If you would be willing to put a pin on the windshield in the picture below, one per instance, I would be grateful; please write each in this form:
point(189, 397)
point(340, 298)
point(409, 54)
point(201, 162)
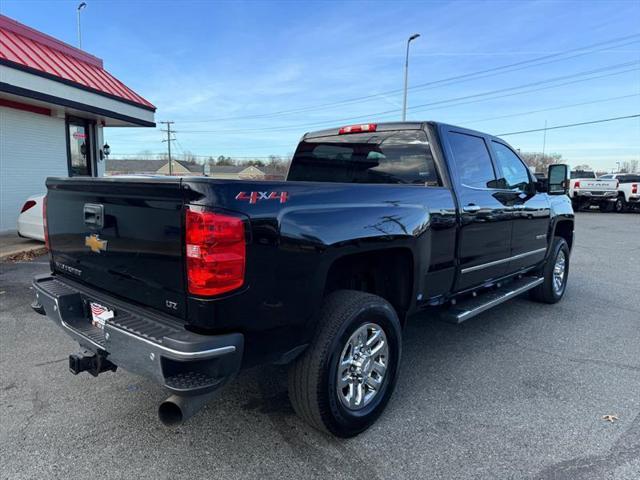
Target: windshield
point(582, 174)
point(402, 156)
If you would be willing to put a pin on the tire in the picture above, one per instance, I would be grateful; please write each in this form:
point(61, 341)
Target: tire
point(620, 205)
point(575, 204)
point(313, 378)
point(606, 206)
point(546, 292)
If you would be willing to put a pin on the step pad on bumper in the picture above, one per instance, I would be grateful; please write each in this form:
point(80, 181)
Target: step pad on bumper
point(191, 382)
point(146, 328)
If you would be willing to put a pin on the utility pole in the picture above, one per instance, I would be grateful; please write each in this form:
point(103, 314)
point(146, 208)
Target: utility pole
point(169, 140)
point(544, 140)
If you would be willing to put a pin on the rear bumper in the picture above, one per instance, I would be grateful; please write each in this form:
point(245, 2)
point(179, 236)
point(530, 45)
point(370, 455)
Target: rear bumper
point(596, 194)
point(185, 363)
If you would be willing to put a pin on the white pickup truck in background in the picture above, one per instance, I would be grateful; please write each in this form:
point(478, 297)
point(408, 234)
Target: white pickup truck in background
point(628, 190)
point(586, 190)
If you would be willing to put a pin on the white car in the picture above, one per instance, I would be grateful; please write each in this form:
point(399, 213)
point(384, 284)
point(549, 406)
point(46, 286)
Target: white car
point(30, 221)
point(628, 190)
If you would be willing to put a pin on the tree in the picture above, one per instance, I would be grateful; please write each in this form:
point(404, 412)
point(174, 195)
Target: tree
point(583, 167)
point(224, 161)
point(540, 162)
point(189, 157)
point(629, 166)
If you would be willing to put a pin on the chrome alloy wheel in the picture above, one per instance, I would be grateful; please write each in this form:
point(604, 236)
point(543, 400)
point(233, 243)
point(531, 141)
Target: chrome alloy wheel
point(559, 273)
point(362, 366)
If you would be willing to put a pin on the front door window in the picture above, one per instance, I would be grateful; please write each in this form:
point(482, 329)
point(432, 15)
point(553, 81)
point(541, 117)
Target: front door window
point(80, 159)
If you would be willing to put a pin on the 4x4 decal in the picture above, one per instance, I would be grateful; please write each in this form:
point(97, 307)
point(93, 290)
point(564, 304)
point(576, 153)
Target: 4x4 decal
point(254, 197)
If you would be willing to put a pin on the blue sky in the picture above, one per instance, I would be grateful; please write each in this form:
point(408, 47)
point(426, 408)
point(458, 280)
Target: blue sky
point(225, 71)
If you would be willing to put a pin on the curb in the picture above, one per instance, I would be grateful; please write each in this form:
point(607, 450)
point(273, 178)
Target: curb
point(27, 253)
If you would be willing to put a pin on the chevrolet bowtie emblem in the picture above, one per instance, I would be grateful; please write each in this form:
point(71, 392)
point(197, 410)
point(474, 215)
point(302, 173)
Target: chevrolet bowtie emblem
point(95, 244)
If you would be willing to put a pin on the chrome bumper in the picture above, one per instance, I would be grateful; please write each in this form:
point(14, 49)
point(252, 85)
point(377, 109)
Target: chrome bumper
point(596, 194)
point(186, 363)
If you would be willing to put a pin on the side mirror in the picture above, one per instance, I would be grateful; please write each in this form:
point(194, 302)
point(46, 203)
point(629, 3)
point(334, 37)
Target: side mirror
point(558, 179)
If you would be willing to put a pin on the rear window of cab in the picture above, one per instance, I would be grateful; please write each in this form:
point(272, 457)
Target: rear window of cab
point(395, 157)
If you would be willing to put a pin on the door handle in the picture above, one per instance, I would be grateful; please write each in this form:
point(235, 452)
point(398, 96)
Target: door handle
point(471, 208)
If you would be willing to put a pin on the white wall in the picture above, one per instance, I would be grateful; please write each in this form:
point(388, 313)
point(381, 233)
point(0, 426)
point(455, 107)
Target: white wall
point(32, 148)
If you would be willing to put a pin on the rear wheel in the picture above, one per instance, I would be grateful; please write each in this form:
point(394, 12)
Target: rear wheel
point(606, 206)
point(620, 205)
point(555, 273)
point(343, 381)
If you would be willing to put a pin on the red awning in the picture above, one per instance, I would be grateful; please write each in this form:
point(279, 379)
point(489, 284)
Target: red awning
point(28, 49)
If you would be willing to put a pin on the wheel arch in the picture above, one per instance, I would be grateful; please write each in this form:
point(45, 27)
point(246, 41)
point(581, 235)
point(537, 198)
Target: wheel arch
point(563, 228)
point(388, 273)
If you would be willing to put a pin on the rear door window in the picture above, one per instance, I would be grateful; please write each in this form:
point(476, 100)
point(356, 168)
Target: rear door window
point(396, 157)
point(515, 172)
point(473, 161)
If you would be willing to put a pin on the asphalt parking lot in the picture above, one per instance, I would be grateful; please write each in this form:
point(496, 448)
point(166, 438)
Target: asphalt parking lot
point(518, 392)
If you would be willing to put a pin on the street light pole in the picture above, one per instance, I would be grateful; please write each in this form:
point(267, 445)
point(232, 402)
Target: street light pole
point(406, 77)
point(81, 6)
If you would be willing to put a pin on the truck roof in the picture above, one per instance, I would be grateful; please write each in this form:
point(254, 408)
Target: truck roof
point(389, 126)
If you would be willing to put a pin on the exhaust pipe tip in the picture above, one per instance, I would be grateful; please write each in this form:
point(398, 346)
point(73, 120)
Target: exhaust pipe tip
point(170, 413)
point(177, 409)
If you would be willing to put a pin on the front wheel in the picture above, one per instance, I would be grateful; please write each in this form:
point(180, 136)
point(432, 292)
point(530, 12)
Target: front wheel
point(343, 381)
point(555, 273)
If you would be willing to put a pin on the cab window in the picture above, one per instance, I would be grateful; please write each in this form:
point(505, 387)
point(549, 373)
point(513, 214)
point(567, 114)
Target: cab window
point(472, 160)
point(394, 157)
point(515, 172)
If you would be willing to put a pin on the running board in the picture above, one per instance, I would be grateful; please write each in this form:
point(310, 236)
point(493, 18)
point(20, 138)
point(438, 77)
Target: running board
point(466, 309)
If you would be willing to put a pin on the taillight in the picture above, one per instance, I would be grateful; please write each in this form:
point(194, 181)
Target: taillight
point(577, 185)
point(44, 223)
point(634, 188)
point(27, 205)
point(367, 127)
point(215, 250)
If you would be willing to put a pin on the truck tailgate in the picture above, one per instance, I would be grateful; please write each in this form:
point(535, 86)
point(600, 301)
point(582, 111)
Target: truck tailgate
point(598, 185)
point(122, 236)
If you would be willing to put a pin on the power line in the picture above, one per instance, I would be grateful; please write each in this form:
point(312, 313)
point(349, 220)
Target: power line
point(441, 82)
point(519, 114)
point(445, 103)
point(556, 127)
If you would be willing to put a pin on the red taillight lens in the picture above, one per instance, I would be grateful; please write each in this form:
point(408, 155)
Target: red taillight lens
point(27, 205)
point(577, 185)
point(634, 188)
point(44, 222)
point(216, 252)
point(367, 127)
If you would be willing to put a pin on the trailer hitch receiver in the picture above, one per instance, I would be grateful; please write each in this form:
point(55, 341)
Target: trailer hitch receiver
point(87, 361)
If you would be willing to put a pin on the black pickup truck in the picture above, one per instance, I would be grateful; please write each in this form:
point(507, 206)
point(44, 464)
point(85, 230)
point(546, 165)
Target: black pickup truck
point(189, 280)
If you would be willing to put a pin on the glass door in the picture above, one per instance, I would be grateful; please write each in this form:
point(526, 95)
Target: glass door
point(80, 141)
